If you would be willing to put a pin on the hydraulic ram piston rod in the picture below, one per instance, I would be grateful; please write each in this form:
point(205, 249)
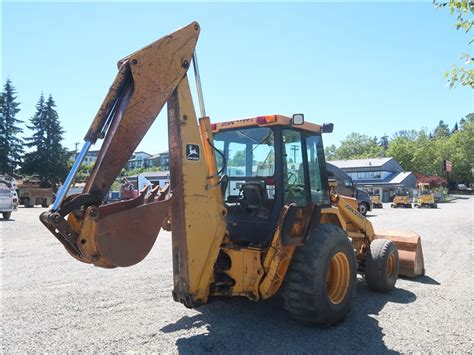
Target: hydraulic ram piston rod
point(72, 174)
point(198, 85)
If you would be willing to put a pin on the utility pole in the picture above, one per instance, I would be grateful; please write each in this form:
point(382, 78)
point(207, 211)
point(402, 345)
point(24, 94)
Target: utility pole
point(294, 148)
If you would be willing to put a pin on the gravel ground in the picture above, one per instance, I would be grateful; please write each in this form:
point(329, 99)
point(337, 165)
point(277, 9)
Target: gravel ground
point(53, 303)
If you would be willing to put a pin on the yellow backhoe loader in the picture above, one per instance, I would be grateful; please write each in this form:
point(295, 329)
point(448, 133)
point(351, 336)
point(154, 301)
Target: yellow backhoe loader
point(249, 206)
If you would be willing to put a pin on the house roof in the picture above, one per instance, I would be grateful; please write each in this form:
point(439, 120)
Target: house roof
point(141, 152)
point(392, 179)
point(361, 163)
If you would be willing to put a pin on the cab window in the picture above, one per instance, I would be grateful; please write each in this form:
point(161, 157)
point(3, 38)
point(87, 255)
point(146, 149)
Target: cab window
point(293, 168)
point(317, 169)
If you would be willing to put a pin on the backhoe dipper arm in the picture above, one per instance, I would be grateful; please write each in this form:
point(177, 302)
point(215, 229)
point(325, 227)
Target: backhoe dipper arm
point(145, 82)
point(154, 72)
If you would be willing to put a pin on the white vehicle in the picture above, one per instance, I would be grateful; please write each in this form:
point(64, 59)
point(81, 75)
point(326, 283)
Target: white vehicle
point(6, 200)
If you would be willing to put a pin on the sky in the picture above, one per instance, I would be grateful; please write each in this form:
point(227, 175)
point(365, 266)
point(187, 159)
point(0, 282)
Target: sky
point(368, 67)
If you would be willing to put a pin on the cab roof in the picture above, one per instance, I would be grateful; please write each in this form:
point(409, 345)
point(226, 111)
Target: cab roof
point(264, 121)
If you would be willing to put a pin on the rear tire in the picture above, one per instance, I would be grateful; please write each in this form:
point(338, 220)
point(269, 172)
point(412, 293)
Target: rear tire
point(6, 215)
point(382, 265)
point(363, 208)
point(320, 284)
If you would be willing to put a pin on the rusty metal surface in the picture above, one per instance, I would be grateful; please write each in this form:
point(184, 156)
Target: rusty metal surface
point(178, 225)
point(116, 89)
point(124, 238)
point(156, 71)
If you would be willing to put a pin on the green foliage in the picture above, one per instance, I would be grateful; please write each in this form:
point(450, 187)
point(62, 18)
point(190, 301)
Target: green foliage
point(442, 130)
point(238, 159)
point(11, 147)
point(48, 159)
point(330, 152)
point(83, 172)
point(420, 151)
point(402, 148)
point(464, 11)
point(383, 142)
point(358, 146)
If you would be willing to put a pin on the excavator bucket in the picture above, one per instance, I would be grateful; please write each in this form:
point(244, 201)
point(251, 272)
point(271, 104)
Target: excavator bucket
point(119, 234)
point(409, 251)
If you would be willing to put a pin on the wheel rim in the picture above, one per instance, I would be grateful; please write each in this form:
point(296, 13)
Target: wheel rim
point(362, 209)
point(390, 265)
point(338, 277)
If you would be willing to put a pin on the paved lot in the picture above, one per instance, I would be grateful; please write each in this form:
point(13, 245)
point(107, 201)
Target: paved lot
point(52, 303)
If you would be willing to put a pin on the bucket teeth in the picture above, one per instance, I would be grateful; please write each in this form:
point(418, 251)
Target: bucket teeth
point(117, 234)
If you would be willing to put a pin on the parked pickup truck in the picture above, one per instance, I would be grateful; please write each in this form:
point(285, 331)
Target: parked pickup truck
point(346, 187)
point(7, 205)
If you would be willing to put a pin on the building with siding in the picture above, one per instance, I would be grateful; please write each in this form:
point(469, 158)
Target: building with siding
point(383, 174)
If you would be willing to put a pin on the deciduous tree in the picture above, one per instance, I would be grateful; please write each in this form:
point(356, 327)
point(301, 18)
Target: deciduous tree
point(464, 11)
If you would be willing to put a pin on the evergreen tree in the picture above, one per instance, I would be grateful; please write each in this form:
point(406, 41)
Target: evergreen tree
point(10, 144)
point(48, 158)
point(455, 128)
point(384, 142)
point(442, 130)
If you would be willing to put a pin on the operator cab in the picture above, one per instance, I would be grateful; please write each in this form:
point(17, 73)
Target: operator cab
point(265, 163)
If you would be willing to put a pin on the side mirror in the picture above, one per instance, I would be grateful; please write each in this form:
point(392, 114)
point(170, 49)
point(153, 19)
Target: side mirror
point(327, 128)
point(298, 119)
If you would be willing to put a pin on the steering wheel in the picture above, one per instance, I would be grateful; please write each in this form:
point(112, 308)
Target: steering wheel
point(291, 176)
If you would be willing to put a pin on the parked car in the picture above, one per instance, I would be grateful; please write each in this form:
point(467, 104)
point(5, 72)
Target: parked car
point(6, 200)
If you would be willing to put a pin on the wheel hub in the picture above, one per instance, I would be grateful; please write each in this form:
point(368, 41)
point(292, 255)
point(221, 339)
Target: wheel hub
point(338, 277)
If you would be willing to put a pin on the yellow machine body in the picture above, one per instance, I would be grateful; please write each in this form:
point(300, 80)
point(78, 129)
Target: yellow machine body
point(206, 262)
point(425, 196)
point(401, 198)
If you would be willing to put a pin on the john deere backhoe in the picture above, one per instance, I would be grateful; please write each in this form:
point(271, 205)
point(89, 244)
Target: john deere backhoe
point(249, 206)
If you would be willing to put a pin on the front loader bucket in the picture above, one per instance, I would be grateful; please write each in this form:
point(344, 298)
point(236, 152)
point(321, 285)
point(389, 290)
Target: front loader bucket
point(409, 251)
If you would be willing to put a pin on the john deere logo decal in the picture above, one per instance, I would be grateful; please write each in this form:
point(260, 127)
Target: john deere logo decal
point(192, 152)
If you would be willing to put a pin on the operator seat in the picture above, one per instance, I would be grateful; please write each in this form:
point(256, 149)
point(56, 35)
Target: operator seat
point(254, 197)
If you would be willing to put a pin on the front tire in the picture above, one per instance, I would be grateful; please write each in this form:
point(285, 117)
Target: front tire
point(382, 265)
point(6, 215)
point(320, 284)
